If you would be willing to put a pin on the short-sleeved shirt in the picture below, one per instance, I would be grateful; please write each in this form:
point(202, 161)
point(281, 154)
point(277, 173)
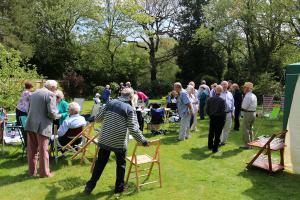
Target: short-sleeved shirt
point(249, 102)
point(23, 104)
point(182, 102)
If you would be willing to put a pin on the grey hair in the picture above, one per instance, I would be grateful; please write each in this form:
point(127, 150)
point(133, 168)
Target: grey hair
point(225, 82)
point(127, 92)
point(74, 107)
point(190, 88)
point(60, 94)
point(50, 83)
point(178, 84)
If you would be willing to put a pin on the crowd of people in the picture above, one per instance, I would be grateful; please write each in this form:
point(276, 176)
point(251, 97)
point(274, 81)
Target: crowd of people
point(120, 116)
point(222, 103)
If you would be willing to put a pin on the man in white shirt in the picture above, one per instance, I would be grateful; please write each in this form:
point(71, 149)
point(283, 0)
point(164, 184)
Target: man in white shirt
point(70, 127)
point(229, 103)
point(249, 105)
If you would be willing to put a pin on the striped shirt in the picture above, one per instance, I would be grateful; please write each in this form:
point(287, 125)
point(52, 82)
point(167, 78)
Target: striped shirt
point(119, 119)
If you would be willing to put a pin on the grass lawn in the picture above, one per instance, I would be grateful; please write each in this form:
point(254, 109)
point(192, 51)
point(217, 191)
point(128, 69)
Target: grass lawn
point(189, 171)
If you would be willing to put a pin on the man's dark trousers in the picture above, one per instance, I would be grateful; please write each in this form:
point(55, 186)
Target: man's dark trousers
point(215, 129)
point(100, 164)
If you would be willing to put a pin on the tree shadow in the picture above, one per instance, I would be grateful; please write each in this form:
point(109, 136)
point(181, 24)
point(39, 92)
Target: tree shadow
point(8, 180)
point(197, 154)
point(13, 162)
point(265, 186)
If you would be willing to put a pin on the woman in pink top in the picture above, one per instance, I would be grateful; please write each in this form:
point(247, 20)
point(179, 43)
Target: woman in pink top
point(143, 97)
point(23, 104)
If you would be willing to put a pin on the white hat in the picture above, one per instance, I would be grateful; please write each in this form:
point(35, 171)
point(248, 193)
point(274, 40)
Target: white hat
point(97, 95)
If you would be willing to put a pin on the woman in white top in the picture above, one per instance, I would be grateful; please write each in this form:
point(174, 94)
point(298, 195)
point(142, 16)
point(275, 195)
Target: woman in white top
point(195, 106)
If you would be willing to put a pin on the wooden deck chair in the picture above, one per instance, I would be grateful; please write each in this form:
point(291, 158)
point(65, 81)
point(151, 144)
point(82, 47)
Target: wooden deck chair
point(86, 134)
point(137, 161)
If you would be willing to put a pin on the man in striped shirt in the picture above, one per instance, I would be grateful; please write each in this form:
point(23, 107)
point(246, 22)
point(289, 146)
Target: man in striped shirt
point(118, 120)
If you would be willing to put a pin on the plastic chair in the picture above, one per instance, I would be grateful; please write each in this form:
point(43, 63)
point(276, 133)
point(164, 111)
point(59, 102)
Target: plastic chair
point(275, 113)
point(137, 161)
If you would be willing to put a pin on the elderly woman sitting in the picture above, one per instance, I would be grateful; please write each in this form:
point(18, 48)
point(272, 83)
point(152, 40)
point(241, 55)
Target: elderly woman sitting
point(71, 126)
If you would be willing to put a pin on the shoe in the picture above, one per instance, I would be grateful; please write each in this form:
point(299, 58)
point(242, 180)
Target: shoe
point(87, 190)
point(221, 144)
point(209, 148)
point(178, 140)
point(236, 129)
point(216, 151)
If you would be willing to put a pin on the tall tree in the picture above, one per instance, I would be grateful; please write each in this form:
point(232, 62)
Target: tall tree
point(197, 57)
point(154, 20)
point(54, 34)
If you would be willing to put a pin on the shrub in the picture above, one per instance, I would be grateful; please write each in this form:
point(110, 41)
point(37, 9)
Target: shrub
point(155, 89)
point(73, 84)
point(13, 73)
point(99, 89)
point(267, 85)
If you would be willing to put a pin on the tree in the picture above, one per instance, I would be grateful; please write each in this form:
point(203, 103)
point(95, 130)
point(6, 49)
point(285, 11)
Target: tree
point(55, 33)
point(154, 20)
point(198, 58)
point(13, 73)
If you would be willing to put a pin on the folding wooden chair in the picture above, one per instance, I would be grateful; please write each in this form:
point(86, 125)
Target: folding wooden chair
point(88, 139)
point(138, 160)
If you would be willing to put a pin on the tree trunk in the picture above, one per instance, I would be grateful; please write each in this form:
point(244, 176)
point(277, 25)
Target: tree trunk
point(153, 64)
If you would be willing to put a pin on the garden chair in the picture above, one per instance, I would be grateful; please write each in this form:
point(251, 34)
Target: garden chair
point(267, 104)
point(23, 120)
point(83, 149)
point(137, 161)
point(72, 146)
point(275, 113)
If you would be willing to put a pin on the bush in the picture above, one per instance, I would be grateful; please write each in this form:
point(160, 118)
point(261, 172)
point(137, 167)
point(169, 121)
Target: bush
point(99, 89)
point(114, 89)
point(155, 89)
point(73, 84)
point(13, 73)
point(267, 85)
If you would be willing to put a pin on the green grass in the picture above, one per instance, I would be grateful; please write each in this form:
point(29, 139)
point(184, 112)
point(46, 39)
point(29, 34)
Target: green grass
point(189, 171)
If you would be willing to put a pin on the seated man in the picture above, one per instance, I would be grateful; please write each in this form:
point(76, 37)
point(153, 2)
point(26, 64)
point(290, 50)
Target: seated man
point(71, 126)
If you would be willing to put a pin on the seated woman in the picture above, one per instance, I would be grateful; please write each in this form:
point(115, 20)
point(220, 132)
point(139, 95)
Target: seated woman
point(62, 107)
point(71, 126)
point(157, 118)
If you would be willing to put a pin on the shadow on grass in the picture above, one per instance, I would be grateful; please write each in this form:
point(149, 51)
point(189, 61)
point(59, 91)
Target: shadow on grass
point(280, 186)
point(226, 154)
point(13, 162)
point(7, 180)
point(197, 154)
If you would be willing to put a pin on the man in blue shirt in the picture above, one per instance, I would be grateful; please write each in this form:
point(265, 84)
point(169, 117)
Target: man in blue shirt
point(106, 94)
point(229, 100)
point(185, 111)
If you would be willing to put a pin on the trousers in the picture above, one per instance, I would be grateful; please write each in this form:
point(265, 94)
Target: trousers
point(226, 128)
point(100, 164)
point(184, 131)
point(37, 143)
point(249, 118)
point(216, 125)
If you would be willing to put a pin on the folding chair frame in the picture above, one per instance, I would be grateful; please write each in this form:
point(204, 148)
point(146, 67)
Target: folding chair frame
point(134, 163)
point(86, 135)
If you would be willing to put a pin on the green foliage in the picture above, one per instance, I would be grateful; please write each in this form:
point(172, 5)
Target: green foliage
point(13, 73)
point(266, 85)
point(99, 89)
point(73, 84)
